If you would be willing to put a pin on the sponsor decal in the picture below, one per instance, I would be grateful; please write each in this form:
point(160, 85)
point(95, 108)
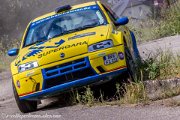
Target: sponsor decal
point(31, 73)
point(82, 35)
point(101, 54)
point(61, 48)
point(37, 49)
point(121, 56)
point(93, 7)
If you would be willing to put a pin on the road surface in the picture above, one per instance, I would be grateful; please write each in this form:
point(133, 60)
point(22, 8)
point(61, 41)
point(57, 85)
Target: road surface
point(168, 44)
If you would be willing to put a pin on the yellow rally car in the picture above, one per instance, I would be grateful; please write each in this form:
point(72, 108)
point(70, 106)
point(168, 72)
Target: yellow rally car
point(69, 48)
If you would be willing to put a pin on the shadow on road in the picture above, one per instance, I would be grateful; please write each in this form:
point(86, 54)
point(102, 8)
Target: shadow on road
point(108, 90)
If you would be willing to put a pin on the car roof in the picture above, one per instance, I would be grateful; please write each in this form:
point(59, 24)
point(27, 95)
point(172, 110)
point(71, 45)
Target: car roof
point(73, 7)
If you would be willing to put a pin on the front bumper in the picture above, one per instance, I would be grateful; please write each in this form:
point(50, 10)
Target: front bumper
point(64, 75)
point(74, 84)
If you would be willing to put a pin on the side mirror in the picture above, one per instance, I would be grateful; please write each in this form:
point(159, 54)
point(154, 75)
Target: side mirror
point(13, 52)
point(122, 21)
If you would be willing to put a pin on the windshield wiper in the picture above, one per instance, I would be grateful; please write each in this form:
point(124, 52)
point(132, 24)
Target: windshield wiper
point(82, 28)
point(73, 30)
point(77, 29)
point(89, 26)
point(66, 32)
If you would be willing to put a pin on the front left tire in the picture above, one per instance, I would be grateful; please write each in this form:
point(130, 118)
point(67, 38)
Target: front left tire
point(25, 106)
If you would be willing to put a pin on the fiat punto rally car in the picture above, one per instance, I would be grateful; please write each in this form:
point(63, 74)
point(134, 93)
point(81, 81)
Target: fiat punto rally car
point(71, 47)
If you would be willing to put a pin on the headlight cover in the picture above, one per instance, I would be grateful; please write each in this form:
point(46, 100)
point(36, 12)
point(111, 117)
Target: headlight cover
point(101, 45)
point(27, 66)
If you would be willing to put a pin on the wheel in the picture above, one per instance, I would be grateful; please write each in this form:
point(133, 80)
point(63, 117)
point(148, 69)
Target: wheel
point(132, 66)
point(24, 106)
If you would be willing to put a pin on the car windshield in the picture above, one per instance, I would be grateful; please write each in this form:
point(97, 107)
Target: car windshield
point(64, 23)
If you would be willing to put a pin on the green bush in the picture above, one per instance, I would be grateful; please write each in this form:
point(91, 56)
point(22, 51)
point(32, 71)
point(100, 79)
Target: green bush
point(85, 97)
point(166, 24)
point(162, 65)
point(170, 22)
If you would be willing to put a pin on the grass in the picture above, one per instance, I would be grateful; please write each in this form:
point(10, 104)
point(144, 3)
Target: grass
point(166, 24)
point(161, 65)
point(167, 93)
point(135, 93)
point(86, 97)
point(170, 22)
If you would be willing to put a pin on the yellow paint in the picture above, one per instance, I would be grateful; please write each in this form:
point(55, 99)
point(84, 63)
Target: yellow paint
point(73, 49)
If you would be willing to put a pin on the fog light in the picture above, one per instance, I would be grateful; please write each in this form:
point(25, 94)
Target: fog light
point(121, 56)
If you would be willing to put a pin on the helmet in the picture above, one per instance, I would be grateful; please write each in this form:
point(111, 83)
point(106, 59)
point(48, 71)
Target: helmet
point(54, 31)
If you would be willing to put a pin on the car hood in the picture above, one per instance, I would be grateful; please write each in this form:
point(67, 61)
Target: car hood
point(62, 47)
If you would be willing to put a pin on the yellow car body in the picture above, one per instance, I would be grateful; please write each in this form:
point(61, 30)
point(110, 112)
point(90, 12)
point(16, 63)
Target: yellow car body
point(65, 62)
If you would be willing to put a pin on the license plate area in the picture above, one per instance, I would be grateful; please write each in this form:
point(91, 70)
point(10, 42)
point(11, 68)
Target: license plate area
point(110, 59)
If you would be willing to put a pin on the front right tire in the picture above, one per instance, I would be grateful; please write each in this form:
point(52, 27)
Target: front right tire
point(25, 106)
point(132, 66)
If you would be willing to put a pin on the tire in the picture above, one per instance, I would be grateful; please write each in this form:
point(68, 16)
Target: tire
point(24, 106)
point(135, 48)
point(132, 66)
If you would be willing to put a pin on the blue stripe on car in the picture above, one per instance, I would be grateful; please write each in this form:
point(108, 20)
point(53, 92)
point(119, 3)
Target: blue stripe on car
point(76, 83)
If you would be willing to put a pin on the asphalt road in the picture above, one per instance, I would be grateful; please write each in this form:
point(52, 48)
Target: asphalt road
point(160, 110)
point(168, 44)
point(149, 112)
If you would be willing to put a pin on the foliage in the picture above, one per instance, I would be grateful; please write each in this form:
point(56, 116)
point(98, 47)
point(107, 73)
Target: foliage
point(167, 23)
point(162, 65)
point(85, 97)
point(135, 93)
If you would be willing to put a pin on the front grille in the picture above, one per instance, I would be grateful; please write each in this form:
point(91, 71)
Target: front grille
point(67, 72)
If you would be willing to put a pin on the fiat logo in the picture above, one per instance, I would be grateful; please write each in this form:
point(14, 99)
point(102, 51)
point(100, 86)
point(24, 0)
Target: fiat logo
point(62, 55)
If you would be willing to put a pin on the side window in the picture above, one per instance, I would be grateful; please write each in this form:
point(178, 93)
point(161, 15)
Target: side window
point(111, 13)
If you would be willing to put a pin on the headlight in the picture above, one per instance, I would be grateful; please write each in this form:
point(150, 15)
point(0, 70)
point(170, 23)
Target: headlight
point(101, 45)
point(27, 66)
